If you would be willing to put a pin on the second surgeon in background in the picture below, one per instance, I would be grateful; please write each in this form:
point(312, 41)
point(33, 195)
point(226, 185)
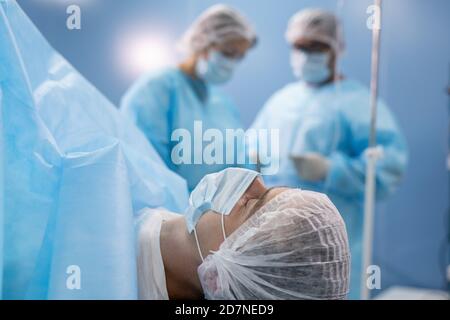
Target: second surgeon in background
point(324, 120)
point(185, 96)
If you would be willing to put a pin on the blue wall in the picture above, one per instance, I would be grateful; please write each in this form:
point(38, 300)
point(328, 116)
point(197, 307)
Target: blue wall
point(412, 226)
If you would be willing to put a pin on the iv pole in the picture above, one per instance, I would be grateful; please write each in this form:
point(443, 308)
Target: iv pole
point(372, 156)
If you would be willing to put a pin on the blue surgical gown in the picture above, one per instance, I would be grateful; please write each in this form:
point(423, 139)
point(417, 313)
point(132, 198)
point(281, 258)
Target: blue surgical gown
point(164, 101)
point(73, 175)
point(334, 120)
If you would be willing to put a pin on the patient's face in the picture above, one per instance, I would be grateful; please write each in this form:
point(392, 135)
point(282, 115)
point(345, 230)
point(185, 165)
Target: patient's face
point(209, 226)
point(254, 198)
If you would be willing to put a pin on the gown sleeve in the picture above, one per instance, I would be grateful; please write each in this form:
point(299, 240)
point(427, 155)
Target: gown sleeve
point(347, 170)
point(147, 104)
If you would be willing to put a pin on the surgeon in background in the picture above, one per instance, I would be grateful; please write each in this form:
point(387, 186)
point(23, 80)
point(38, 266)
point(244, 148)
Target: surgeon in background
point(325, 121)
point(178, 98)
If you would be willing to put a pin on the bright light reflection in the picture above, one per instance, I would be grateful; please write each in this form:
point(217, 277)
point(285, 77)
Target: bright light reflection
point(144, 52)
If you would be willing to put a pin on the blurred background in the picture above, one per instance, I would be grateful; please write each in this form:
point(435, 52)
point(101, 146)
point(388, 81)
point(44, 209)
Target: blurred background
point(119, 40)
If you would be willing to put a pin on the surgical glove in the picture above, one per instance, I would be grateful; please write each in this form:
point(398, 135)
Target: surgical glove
point(376, 152)
point(311, 167)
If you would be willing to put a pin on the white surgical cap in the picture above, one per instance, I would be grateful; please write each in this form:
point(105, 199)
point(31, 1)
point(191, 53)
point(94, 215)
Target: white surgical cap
point(216, 25)
point(316, 24)
point(294, 247)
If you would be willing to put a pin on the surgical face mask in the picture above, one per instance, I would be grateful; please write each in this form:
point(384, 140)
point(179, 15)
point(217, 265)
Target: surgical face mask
point(218, 192)
point(311, 67)
point(216, 69)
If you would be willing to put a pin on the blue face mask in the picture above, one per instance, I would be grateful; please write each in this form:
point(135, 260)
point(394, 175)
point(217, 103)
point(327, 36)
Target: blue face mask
point(311, 67)
point(218, 192)
point(216, 69)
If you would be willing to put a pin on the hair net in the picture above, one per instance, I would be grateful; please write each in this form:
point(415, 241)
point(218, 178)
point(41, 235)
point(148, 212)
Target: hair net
point(215, 26)
point(316, 24)
point(294, 247)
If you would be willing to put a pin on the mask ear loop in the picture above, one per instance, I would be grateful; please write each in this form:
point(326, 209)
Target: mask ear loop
point(223, 227)
point(198, 245)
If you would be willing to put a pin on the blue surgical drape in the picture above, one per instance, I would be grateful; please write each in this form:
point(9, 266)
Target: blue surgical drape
point(73, 175)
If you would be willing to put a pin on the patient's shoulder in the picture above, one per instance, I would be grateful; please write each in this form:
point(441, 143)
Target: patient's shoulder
point(153, 216)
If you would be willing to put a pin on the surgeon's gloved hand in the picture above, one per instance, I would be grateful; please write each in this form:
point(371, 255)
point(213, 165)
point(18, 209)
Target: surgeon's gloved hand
point(311, 166)
point(375, 153)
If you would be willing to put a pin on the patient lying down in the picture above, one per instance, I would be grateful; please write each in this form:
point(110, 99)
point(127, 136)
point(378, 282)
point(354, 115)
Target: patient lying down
point(241, 240)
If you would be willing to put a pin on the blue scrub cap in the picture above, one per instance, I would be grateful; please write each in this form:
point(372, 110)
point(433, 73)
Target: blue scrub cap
point(216, 25)
point(319, 25)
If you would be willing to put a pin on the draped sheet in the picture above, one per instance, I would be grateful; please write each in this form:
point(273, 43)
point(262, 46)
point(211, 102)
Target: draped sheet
point(73, 175)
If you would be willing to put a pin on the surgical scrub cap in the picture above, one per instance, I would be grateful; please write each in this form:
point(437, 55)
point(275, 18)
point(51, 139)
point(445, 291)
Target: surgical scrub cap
point(216, 25)
point(294, 247)
point(316, 24)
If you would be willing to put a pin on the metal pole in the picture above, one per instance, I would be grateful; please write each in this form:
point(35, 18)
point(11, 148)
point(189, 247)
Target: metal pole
point(369, 203)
